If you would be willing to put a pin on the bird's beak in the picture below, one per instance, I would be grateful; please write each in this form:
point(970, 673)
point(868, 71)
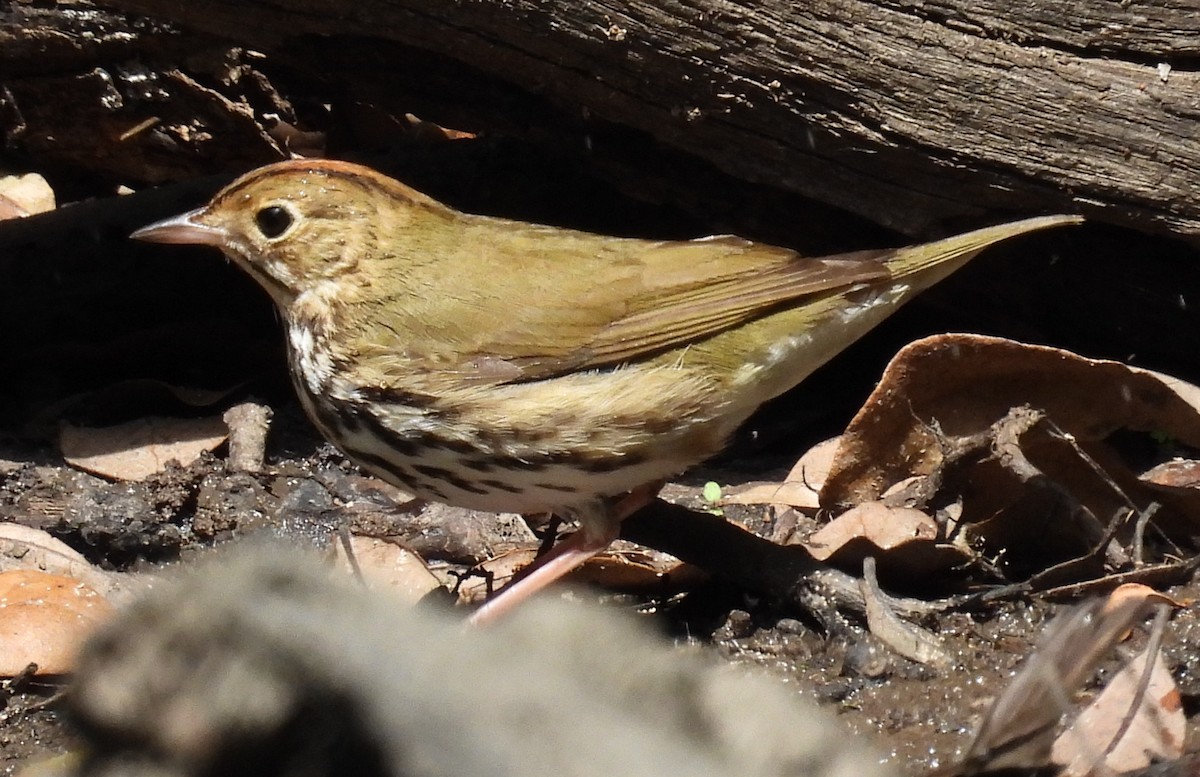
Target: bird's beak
point(183, 229)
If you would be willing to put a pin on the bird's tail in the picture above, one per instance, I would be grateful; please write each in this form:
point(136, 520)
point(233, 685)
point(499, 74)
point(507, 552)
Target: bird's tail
point(926, 264)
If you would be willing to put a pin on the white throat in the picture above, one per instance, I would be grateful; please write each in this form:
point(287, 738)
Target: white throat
point(310, 356)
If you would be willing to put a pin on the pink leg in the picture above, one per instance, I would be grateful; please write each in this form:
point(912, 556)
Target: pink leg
point(601, 525)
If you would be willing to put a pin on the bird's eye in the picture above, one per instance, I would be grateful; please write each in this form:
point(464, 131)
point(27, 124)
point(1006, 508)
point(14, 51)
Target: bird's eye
point(273, 221)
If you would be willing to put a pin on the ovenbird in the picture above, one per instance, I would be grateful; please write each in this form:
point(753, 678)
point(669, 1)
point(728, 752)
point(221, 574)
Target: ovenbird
point(500, 365)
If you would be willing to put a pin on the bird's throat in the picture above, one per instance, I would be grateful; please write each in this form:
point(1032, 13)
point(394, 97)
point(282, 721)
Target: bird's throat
point(310, 357)
point(311, 322)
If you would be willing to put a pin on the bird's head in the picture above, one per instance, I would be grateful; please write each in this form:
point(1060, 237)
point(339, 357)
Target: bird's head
point(302, 225)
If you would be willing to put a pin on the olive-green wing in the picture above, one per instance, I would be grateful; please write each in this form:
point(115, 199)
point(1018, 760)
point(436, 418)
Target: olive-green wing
point(633, 299)
point(693, 290)
point(711, 301)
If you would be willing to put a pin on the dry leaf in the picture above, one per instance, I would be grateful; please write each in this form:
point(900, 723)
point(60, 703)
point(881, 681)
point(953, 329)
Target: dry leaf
point(1137, 595)
point(500, 569)
point(386, 565)
point(138, 449)
point(902, 539)
point(1024, 438)
point(1156, 731)
point(626, 567)
point(964, 383)
point(1036, 496)
point(33, 549)
point(10, 209)
point(1180, 473)
point(43, 620)
point(424, 131)
point(25, 195)
point(801, 486)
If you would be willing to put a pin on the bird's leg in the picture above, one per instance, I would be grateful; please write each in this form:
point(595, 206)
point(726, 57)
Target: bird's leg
point(553, 521)
point(600, 525)
point(594, 536)
point(635, 500)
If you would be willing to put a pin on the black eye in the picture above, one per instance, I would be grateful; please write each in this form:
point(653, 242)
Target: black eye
point(273, 221)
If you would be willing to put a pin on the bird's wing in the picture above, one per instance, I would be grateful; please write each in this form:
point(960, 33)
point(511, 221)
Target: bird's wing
point(699, 288)
point(588, 303)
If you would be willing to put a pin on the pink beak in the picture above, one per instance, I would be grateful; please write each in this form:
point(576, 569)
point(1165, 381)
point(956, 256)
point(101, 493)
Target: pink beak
point(182, 229)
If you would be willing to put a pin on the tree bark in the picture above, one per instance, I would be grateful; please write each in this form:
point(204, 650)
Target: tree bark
point(908, 113)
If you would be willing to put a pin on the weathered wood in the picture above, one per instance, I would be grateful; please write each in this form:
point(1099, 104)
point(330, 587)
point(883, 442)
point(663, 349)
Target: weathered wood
point(909, 113)
point(77, 94)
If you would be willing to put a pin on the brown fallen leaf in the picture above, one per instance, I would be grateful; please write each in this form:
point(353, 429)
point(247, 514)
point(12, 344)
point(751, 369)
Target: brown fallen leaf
point(1178, 474)
point(387, 566)
point(1042, 448)
point(138, 449)
point(44, 619)
point(964, 383)
point(798, 489)
point(1032, 494)
point(24, 195)
point(494, 572)
point(9, 209)
point(633, 568)
point(25, 548)
point(1156, 731)
point(1137, 595)
point(904, 541)
point(298, 142)
point(424, 131)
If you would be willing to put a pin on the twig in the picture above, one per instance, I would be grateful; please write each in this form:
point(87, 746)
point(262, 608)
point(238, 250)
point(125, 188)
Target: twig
point(1139, 532)
point(906, 639)
point(1161, 613)
point(344, 537)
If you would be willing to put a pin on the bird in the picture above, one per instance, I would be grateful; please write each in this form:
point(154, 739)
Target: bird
point(500, 365)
